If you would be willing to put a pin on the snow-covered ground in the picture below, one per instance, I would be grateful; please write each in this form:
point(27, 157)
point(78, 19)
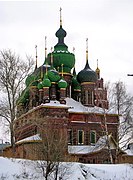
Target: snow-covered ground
point(14, 169)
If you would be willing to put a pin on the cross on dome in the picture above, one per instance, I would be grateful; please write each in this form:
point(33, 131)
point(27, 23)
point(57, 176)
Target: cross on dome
point(60, 16)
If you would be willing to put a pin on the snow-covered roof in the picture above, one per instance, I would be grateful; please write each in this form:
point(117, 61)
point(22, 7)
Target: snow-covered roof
point(76, 106)
point(81, 149)
point(129, 152)
point(131, 141)
point(53, 103)
point(30, 138)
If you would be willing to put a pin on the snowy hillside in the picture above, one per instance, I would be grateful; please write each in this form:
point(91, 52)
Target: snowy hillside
point(14, 169)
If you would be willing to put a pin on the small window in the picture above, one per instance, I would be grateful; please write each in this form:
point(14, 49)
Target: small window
point(80, 137)
point(70, 136)
point(92, 137)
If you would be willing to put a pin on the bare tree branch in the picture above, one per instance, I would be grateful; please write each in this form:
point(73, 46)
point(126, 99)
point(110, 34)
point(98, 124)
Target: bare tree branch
point(122, 103)
point(13, 72)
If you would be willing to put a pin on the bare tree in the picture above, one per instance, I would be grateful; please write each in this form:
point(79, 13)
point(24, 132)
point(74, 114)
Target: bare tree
point(53, 148)
point(104, 125)
point(13, 71)
point(122, 103)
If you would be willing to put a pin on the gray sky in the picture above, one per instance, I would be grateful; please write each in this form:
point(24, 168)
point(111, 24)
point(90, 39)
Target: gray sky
point(108, 25)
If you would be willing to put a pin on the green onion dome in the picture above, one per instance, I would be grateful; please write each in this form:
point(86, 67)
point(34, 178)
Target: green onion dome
point(35, 83)
point(36, 75)
point(46, 82)
point(62, 84)
point(40, 71)
point(53, 75)
point(75, 84)
point(63, 57)
point(40, 86)
point(87, 75)
point(77, 88)
point(61, 34)
point(30, 79)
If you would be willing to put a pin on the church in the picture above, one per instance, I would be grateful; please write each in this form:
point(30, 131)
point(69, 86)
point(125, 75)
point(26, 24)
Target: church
point(72, 106)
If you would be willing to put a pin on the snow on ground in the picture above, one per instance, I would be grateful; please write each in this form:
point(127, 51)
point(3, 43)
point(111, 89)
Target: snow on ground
point(14, 169)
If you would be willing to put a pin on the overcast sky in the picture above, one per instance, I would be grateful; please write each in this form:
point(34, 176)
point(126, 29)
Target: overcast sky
point(108, 25)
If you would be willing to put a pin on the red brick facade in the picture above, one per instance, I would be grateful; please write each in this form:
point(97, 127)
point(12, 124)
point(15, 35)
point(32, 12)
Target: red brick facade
point(54, 83)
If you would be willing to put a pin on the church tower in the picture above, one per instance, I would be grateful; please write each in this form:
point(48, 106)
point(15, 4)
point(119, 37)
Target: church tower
point(62, 58)
point(87, 79)
point(66, 104)
point(100, 91)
